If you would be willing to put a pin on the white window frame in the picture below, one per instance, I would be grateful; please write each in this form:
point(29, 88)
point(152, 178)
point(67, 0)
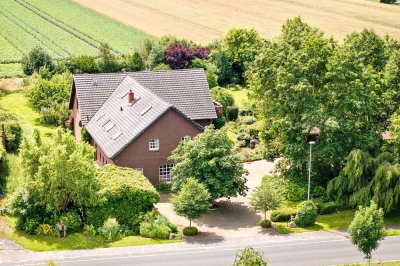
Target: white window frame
point(154, 144)
point(186, 138)
point(165, 173)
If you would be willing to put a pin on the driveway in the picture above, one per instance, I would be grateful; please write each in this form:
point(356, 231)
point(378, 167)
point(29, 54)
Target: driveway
point(233, 218)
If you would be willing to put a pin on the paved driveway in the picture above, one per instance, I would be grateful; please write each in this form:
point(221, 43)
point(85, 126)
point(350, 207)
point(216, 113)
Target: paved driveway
point(233, 218)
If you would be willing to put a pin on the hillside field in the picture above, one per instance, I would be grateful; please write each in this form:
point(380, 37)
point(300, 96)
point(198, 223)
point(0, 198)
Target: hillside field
point(206, 20)
point(62, 27)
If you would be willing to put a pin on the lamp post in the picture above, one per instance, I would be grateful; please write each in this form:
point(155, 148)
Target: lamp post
point(314, 133)
point(309, 170)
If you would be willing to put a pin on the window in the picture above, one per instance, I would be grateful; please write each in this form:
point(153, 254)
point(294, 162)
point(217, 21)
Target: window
point(154, 144)
point(165, 173)
point(186, 138)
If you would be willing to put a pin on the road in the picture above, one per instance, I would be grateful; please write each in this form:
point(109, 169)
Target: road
point(327, 251)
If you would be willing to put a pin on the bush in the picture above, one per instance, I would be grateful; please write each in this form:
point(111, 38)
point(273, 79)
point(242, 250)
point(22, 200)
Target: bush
point(30, 225)
point(282, 215)
point(36, 59)
point(46, 230)
point(56, 114)
point(124, 194)
point(72, 220)
point(134, 62)
point(190, 231)
point(219, 122)
point(90, 230)
point(161, 67)
point(83, 64)
point(110, 229)
point(156, 226)
point(163, 187)
point(327, 208)
point(232, 113)
point(222, 96)
point(306, 214)
point(265, 223)
point(249, 120)
point(211, 78)
point(13, 135)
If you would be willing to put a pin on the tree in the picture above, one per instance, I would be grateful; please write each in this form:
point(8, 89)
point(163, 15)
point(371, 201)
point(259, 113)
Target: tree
point(208, 158)
point(264, 199)
point(59, 172)
point(366, 230)
point(178, 56)
point(36, 59)
point(223, 66)
point(192, 200)
point(241, 46)
point(249, 257)
point(222, 96)
point(108, 59)
point(134, 62)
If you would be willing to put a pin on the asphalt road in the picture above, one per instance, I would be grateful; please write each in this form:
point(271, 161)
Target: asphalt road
point(322, 252)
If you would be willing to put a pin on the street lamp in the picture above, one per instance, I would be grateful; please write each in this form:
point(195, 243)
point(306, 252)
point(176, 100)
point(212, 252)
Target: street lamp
point(309, 170)
point(314, 133)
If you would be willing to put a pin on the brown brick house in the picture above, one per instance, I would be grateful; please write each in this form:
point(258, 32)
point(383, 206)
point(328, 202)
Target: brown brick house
point(136, 119)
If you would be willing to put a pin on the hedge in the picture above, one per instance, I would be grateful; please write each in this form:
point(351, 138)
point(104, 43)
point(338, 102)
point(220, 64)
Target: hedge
point(124, 194)
point(327, 208)
point(282, 215)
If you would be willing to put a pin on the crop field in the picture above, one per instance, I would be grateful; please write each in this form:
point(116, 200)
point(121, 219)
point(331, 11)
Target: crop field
point(206, 20)
point(61, 27)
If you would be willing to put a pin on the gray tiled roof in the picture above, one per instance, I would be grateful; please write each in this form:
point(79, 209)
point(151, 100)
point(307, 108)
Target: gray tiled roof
point(187, 90)
point(117, 123)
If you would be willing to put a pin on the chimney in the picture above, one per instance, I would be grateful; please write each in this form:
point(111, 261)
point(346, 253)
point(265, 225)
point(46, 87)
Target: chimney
point(131, 96)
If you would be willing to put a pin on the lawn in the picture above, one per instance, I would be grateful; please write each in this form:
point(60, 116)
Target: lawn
point(240, 97)
point(17, 103)
point(72, 241)
point(335, 221)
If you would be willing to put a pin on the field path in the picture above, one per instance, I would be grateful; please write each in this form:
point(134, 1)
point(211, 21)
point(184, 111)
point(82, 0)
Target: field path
point(206, 20)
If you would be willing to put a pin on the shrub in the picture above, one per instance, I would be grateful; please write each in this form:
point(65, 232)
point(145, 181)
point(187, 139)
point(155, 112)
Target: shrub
point(45, 230)
point(56, 114)
point(161, 67)
point(164, 187)
point(177, 56)
point(36, 59)
point(232, 113)
point(156, 226)
point(13, 135)
point(249, 257)
point(124, 193)
point(110, 229)
point(306, 214)
point(265, 223)
point(134, 62)
point(30, 225)
point(72, 220)
point(108, 60)
point(249, 120)
point(282, 215)
point(222, 96)
point(211, 78)
point(83, 64)
point(90, 230)
point(190, 231)
point(219, 122)
point(327, 208)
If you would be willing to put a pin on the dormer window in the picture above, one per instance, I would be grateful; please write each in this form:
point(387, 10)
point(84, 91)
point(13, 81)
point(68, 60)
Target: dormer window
point(154, 144)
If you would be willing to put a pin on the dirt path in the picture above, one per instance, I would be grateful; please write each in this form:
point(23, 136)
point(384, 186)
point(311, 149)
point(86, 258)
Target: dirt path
point(207, 20)
point(233, 218)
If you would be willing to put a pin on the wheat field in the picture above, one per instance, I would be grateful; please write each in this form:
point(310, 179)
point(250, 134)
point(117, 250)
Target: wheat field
point(206, 20)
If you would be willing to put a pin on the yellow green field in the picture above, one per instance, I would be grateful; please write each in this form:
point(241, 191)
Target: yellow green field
point(206, 20)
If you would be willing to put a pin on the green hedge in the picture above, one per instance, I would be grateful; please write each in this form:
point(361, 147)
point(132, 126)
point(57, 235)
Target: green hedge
point(190, 231)
point(124, 194)
point(283, 215)
point(327, 208)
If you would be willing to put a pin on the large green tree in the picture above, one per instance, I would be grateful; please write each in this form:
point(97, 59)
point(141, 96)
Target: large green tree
point(59, 172)
point(208, 158)
point(366, 230)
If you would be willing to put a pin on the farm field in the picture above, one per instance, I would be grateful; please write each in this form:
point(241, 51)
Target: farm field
point(206, 20)
point(61, 27)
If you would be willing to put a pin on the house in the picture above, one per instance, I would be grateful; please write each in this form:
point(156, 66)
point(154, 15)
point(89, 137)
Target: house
point(136, 119)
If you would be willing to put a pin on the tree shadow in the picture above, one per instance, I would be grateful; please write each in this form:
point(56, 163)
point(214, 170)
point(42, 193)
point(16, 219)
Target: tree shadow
point(204, 238)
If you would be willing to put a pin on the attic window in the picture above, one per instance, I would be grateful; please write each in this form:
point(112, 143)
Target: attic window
point(109, 126)
point(116, 135)
point(145, 111)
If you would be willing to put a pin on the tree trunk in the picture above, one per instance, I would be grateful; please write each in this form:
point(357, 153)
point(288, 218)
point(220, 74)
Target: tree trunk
point(265, 215)
point(190, 222)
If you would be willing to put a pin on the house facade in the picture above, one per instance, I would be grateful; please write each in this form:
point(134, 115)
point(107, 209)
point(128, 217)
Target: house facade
point(137, 119)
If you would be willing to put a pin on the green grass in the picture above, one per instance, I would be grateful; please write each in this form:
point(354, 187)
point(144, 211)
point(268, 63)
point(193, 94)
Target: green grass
point(78, 241)
point(17, 103)
point(335, 221)
point(11, 70)
point(63, 28)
